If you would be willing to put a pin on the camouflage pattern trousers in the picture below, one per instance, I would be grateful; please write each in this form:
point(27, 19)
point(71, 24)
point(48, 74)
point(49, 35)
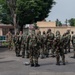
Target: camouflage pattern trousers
point(34, 55)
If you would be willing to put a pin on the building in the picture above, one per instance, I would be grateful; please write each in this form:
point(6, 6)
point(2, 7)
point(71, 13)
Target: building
point(5, 28)
point(44, 26)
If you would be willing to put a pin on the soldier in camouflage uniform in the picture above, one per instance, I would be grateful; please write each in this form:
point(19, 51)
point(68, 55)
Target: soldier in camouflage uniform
point(50, 38)
point(58, 34)
point(28, 46)
point(68, 39)
point(20, 41)
point(44, 44)
point(73, 43)
point(16, 44)
point(53, 47)
point(9, 38)
point(24, 45)
point(39, 44)
point(33, 51)
point(65, 37)
point(59, 50)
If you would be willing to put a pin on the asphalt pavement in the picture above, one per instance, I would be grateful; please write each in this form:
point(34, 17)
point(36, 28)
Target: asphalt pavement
point(12, 65)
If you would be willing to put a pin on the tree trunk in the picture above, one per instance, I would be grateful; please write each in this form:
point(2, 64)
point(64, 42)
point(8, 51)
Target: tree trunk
point(15, 24)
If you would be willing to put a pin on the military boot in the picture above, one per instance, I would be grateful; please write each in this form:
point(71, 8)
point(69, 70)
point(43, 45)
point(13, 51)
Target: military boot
point(32, 65)
point(36, 65)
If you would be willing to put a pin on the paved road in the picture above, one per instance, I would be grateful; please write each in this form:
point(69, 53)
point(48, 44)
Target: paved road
point(12, 65)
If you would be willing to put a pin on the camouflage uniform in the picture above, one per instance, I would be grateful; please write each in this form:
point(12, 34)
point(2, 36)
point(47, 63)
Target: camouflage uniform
point(39, 44)
point(33, 51)
point(16, 43)
point(28, 46)
point(44, 45)
point(53, 47)
point(50, 38)
point(59, 50)
point(24, 45)
point(69, 39)
point(19, 42)
point(65, 37)
point(9, 39)
point(73, 43)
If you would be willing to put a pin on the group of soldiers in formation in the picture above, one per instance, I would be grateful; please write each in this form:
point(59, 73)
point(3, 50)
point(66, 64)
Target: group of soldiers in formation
point(43, 45)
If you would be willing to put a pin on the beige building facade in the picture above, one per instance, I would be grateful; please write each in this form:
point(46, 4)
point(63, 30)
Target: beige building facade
point(44, 26)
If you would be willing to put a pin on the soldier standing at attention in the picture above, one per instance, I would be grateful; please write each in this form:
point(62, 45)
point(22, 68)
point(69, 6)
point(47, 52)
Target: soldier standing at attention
point(39, 44)
point(59, 50)
point(53, 49)
point(65, 37)
point(69, 39)
point(73, 43)
point(33, 51)
point(9, 38)
point(20, 41)
point(50, 38)
point(16, 43)
point(24, 45)
point(28, 45)
point(44, 44)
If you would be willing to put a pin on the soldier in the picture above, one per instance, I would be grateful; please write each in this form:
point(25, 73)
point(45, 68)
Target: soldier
point(28, 45)
point(50, 38)
point(58, 34)
point(69, 39)
point(73, 43)
point(65, 37)
point(53, 47)
point(39, 44)
point(59, 50)
point(33, 51)
point(20, 39)
point(24, 45)
point(9, 38)
point(44, 44)
point(16, 43)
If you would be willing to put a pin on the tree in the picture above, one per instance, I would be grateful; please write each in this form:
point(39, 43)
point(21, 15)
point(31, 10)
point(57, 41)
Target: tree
point(12, 6)
point(5, 13)
point(58, 23)
point(72, 22)
point(66, 21)
point(28, 11)
point(34, 10)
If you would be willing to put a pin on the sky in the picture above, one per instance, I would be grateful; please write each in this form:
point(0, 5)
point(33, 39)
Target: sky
point(62, 10)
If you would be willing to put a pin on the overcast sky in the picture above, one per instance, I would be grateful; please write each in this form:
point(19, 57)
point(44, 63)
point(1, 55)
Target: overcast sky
point(64, 9)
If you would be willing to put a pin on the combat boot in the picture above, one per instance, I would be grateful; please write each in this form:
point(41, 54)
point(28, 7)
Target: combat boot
point(63, 63)
point(36, 65)
point(32, 65)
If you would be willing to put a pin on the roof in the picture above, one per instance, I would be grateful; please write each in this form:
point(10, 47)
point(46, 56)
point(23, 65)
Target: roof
point(6, 26)
point(46, 24)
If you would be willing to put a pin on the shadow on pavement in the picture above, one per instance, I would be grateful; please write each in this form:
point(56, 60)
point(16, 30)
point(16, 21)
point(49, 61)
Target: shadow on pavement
point(44, 64)
point(3, 49)
point(7, 61)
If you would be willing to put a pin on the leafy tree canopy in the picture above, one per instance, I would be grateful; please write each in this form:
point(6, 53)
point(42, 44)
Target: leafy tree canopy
point(58, 23)
point(33, 10)
point(27, 11)
point(72, 22)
